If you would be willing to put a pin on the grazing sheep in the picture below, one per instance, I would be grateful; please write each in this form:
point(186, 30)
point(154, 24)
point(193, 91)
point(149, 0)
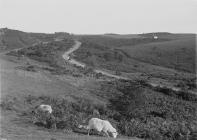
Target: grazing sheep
point(100, 126)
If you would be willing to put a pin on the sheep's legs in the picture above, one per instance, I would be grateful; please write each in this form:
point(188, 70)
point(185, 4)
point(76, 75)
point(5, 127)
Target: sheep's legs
point(106, 133)
point(88, 131)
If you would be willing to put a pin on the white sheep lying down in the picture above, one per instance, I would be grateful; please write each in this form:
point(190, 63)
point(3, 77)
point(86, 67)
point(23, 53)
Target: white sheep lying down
point(40, 111)
point(44, 108)
point(101, 126)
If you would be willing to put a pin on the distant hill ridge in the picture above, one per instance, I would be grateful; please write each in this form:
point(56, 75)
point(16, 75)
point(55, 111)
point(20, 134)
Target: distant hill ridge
point(13, 39)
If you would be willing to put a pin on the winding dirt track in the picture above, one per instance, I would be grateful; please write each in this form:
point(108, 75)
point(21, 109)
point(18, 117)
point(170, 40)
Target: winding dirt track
point(71, 50)
point(75, 62)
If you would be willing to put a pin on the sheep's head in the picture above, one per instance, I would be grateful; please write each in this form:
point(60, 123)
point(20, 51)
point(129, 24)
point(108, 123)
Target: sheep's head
point(114, 134)
point(82, 126)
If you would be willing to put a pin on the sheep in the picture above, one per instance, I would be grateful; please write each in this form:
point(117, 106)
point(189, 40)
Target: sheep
point(43, 113)
point(155, 37)
point(100, 126)
point(44, 108)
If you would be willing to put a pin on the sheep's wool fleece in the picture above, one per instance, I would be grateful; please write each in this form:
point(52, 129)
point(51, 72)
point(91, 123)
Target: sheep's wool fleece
point(100, 125)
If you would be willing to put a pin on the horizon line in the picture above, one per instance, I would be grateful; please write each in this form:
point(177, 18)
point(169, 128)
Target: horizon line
point(112, 33)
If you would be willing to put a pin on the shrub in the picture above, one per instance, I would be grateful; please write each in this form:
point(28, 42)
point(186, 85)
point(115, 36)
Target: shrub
point(149, 114)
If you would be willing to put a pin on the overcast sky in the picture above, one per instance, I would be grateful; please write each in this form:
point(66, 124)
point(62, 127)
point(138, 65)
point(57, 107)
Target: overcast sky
point(100, 16)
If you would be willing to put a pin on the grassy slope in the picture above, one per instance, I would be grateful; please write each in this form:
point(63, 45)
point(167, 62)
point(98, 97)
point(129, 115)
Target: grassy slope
point(139, 102)
point(127, 36)
point(113, 42)
point(167, 35)
point(18, 85)
point(167, 51)
point(176, 54)
point(13, 39)
point(119, 58)
point(153, 61)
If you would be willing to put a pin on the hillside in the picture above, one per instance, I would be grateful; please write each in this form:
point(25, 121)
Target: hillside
point(116, 42)
point(177, 54)
point(126, 36)
point(38, 74)
point(176, 51)
point(172, 36)
point(169, 61)
point(13, 39)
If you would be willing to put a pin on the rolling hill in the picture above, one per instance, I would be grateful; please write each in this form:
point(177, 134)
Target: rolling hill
point(118, 41)
point(13, 39)
point(176, 51)
point(176, 54)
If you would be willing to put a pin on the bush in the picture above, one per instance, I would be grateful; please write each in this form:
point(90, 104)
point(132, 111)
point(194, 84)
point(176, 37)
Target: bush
point(148, 114)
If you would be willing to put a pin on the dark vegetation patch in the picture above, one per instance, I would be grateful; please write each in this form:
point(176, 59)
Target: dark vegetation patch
point(134, 109)
point(183, 94)
point(148, 113)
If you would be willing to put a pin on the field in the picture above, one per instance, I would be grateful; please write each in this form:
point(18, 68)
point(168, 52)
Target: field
point(37, 74)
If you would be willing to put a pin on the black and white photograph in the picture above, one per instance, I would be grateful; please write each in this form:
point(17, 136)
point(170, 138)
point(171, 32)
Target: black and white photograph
point(98, 69)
